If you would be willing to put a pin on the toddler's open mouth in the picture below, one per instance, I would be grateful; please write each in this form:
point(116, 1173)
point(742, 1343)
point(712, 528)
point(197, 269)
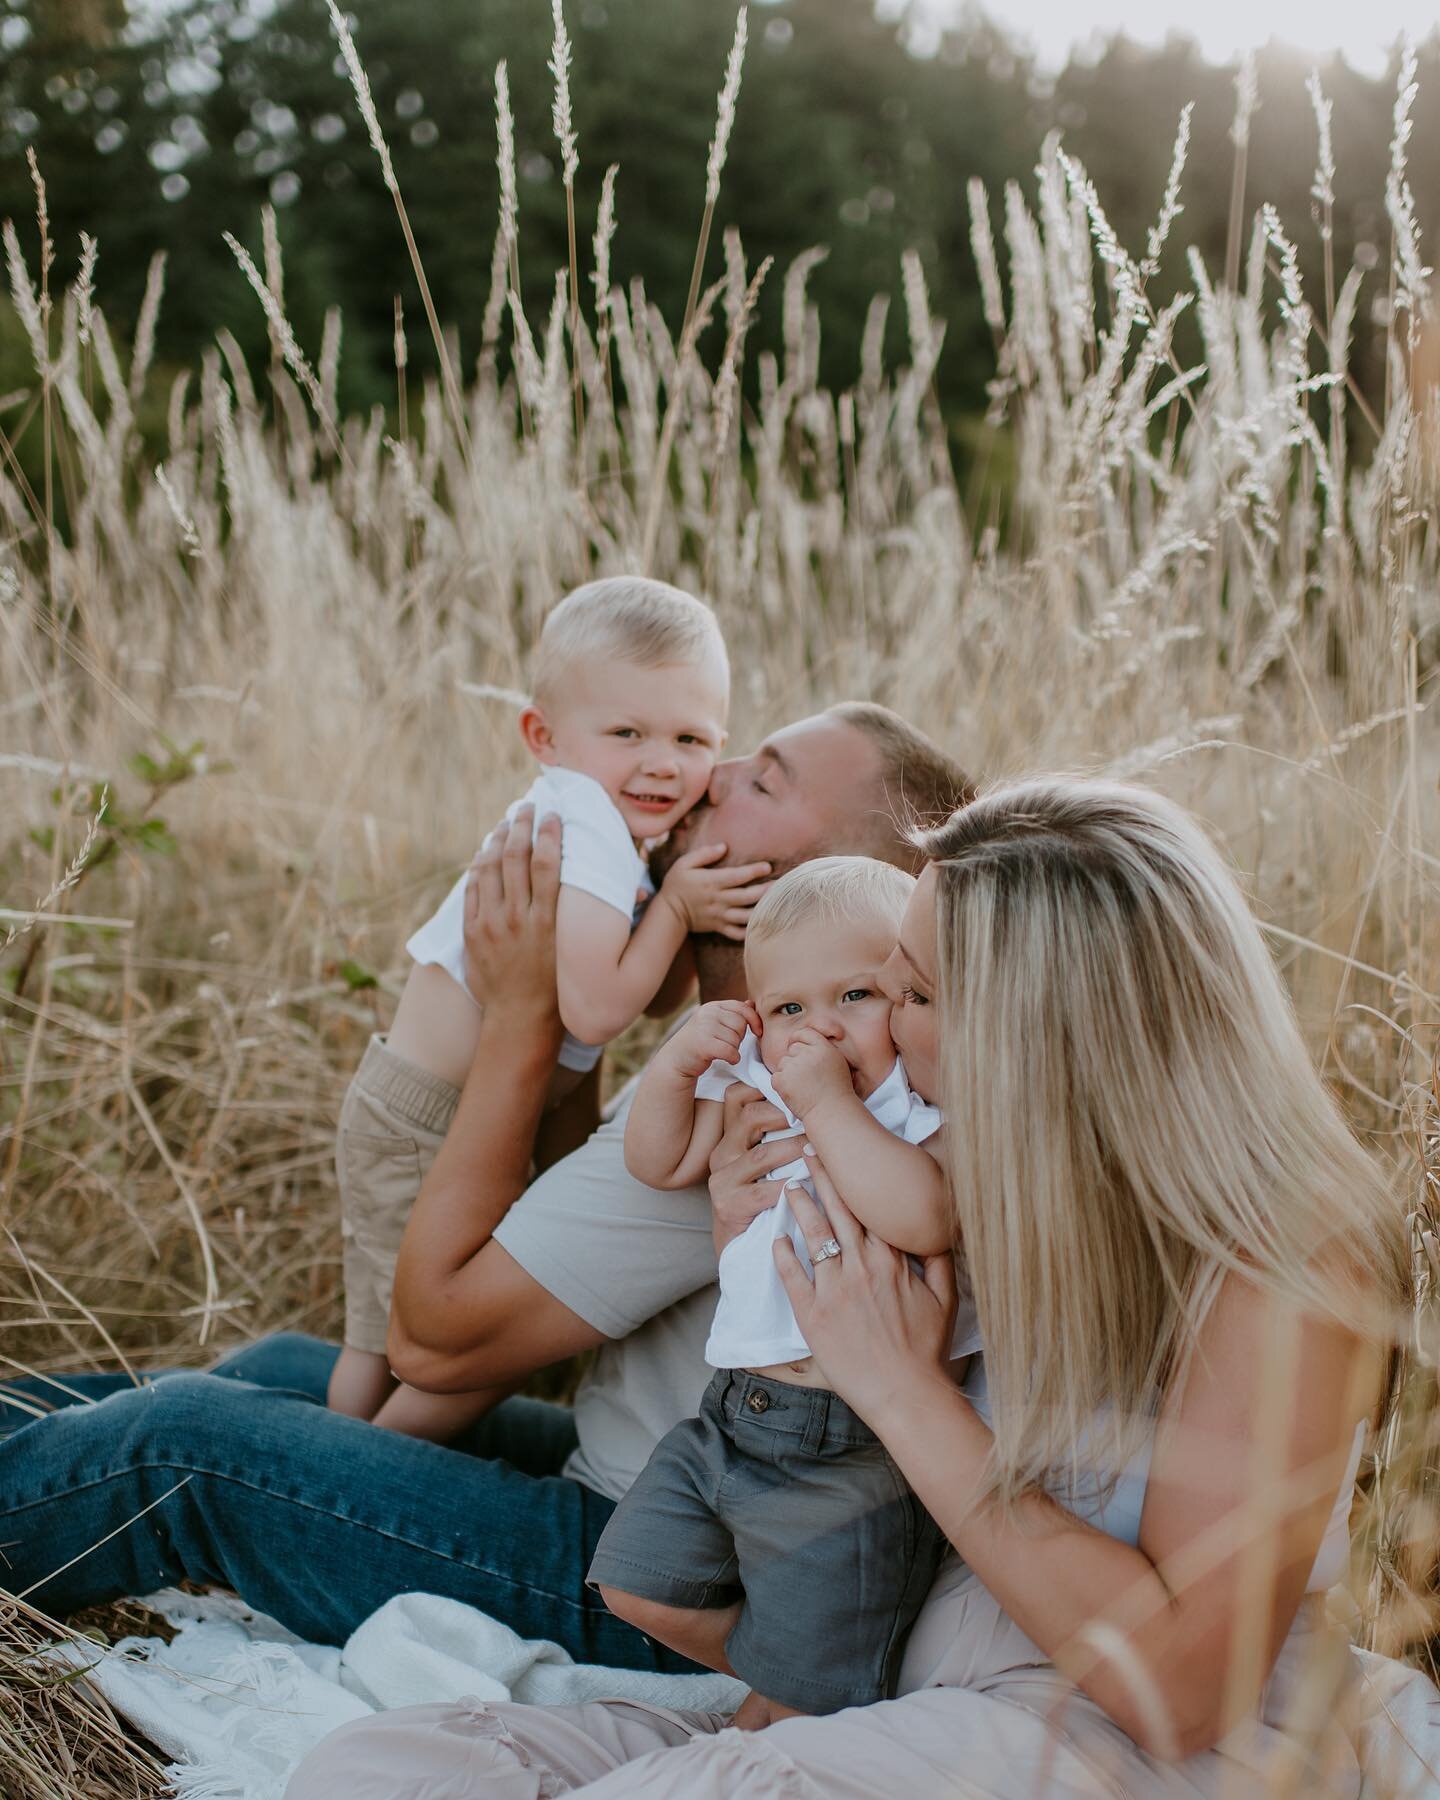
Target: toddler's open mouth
point(653, 803)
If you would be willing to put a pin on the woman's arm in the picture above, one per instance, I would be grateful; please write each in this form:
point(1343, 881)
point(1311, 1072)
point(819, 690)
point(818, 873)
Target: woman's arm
point(1173, 1638)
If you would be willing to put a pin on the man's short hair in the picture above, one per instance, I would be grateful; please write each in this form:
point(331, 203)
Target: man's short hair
point(629, 618)
point(920, 786)
point(832, 890)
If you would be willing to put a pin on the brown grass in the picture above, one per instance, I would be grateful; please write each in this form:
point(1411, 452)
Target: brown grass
point(295, 651)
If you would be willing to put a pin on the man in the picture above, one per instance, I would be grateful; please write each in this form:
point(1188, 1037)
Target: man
point(241, 1476)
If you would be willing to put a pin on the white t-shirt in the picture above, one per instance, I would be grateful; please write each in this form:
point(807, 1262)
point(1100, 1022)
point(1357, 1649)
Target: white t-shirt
point(754, 1325)
point(597, 855)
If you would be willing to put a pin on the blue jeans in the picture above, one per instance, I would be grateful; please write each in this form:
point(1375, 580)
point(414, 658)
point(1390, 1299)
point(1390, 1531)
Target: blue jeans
point(242, 1477)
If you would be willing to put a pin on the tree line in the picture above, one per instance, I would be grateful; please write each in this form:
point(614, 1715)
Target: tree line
point(162, 125)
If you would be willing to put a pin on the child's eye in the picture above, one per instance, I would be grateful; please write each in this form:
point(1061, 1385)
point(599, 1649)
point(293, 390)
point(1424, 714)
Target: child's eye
point(625, 731)
point(689, 738)
point(759, 786)
point(914, 998)
point(787, 1009)
point(858, 994)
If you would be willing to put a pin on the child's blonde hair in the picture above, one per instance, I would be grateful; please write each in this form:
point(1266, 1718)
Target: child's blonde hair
point(832, 890)
point(631, 618)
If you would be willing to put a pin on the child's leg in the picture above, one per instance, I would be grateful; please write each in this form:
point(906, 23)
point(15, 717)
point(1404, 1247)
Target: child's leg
point(360, 1383)
point(438, 1417)
point(835, 1553)
point(665, 1562)
point(698, 1632)
point(392, 1124)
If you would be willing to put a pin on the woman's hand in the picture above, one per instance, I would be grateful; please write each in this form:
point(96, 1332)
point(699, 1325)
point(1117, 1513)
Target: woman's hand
point(510, 900)
point(876, 1328)
point(741, 1165)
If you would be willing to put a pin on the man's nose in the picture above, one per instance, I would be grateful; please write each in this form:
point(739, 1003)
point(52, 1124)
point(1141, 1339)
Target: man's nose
point(720, 778)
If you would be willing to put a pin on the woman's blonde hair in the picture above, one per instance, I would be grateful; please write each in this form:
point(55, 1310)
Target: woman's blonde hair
point(1130, 1114)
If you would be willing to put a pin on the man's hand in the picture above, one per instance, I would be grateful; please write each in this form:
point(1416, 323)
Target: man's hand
point(712, 899)
point(740, 1165)
point(713, 1033)
point(810, 1072)
point(510, 900)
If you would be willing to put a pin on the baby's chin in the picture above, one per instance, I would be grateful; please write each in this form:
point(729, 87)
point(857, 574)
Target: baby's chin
point(865, 1085)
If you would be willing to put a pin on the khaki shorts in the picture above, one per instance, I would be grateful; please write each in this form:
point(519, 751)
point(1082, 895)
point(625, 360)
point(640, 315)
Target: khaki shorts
point(393, 1122)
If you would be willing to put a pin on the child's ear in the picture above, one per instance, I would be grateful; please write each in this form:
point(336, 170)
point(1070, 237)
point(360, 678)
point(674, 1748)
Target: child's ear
point(536, 733)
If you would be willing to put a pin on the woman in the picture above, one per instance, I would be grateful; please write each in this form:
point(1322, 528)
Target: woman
point(1188, 1279)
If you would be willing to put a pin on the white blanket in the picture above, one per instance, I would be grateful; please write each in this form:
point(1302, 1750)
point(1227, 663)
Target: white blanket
point(236, 1700)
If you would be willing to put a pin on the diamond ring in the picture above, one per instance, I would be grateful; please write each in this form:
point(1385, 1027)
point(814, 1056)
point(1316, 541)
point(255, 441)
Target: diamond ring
point(828, 1249)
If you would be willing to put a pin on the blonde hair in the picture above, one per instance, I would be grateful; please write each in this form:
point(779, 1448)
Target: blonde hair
point(631, 618)
point(1131, 1114)
point(831, 890)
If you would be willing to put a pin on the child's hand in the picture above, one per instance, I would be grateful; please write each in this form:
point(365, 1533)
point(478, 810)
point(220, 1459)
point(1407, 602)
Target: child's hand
point(713, 1034)
point(713, 899)
point(811, 1070)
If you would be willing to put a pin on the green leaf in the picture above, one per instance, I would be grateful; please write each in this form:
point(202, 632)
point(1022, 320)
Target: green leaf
point(153, 835)
point(357, 976)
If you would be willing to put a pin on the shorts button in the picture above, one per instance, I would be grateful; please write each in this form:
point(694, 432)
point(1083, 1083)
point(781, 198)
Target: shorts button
point(758, 1401)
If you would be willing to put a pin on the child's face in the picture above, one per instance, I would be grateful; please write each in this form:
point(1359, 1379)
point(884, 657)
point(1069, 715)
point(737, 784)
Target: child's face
point(650, 737)
point(826, 977)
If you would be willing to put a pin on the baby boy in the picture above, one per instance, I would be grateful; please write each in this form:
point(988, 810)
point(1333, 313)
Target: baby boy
point(775, 1524)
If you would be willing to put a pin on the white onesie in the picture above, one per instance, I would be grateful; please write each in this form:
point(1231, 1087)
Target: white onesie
point(597, 855)
point(754, 1325)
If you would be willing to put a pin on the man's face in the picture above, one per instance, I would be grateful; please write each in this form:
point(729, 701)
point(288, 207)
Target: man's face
point(796, 797)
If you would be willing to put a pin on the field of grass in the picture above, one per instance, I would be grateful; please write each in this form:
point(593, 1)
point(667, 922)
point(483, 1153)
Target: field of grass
point(257, 704)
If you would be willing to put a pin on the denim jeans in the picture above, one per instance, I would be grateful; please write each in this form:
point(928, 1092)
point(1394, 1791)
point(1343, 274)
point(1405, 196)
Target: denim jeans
point(242, 1477)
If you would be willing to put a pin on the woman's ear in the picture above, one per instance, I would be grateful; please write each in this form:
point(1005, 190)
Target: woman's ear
point(536, 733)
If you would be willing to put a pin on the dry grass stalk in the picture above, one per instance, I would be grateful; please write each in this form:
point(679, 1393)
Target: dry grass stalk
point(45, 1710)
point(1166, 603)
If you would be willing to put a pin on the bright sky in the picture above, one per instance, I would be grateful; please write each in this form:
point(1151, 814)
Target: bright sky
point(1363, 29)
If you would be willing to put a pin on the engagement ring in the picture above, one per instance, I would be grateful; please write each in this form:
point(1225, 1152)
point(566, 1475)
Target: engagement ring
point(828, 1249)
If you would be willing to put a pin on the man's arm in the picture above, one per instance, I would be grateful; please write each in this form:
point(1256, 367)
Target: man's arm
point(465, 1314)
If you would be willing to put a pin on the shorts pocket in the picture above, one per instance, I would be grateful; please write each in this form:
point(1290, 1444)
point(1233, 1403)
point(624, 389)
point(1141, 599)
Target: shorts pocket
point(379, 1179)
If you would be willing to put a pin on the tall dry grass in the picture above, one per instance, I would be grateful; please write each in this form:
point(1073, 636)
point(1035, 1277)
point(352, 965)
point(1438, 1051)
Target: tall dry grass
point(256, 703)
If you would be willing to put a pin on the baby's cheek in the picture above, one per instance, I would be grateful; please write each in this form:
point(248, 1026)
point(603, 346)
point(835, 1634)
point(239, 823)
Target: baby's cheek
point(879, 1045)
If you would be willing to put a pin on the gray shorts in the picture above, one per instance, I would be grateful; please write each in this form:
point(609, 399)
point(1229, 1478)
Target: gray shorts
point(783, 1498)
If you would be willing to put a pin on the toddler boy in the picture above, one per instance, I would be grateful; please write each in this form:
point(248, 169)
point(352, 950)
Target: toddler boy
point(631, 692)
